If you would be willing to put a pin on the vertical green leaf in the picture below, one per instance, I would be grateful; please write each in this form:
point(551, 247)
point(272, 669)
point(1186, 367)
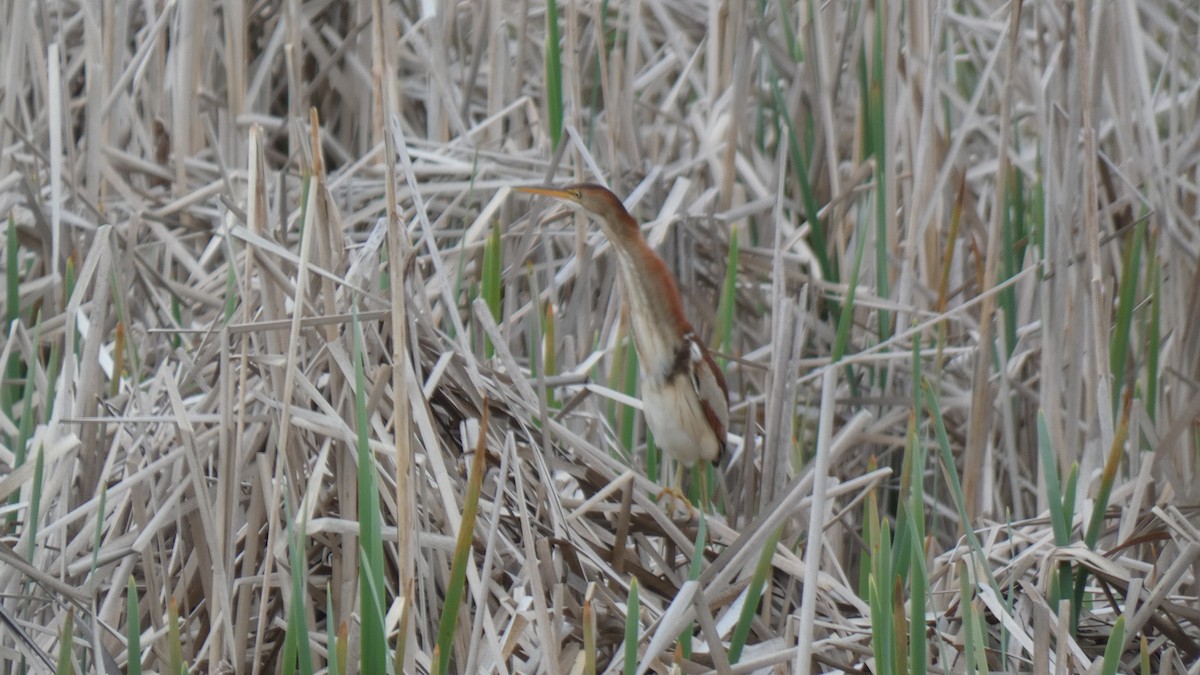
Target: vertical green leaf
point(231, 293)
point(332, 662)
point(685, 638)
point(462, 550)
point(741, 630)
point(554, 89)
point(728, 301)
point(133, 631)
point(549, 351)
point(1112, 651)
point(880, 595)
point(371, 586)
point(175, 662)
point(842, 340)
point(1118, 352)
point(297, 655)
point(1058, 519)
point(917, 584)
point(66, 639)
point(807, 192)
point(490, 282)
point(1153, 339)
point(974, 648)
point(632, 624)
point(12, 275)
point(1012, 253)
point(10, 390)
point(589, 632)
point(876, 132)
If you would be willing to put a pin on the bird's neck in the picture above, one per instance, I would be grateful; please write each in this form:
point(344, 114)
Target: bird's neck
point(655, 313)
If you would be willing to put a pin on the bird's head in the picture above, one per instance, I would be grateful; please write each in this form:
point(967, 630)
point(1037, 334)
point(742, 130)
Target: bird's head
point(596, 200)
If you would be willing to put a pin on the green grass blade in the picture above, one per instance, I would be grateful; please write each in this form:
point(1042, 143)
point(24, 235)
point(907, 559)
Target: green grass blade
point(343, 648)
point(918, 583)
point(1118, 351)
point(1114, 648)
point(1153, 340)
point(462, 550)
point(974, 646)
point(12, 275)
point(1144, 650)
point(10, 391)
point(910, 563)
point(807, 192)
point(870, 513)
point(794, 48)
point(948, 470)
point(741, 630)
point(903, 537)
point(1069, 489)
point(685, 638)
point(900, 627)
point(847, 310)
point(549, 352)
point(25, 426)
point(297, 655)
point(1012, 232)
point(69, 291)
point(879, 589)
point(1058, 519)
point(119, 345)
point(133, 630)
point(175, 663)
point(66, 639)
point(490, 284)
point(607, 44)
point(589, 631)
point(876, 124)
point(26, 423)
point(912, 520)
point(98, 536)
point(632, 623)
point(12, 370)
point(1062, 510)
point(728, 302)
point(331, 638)
point(624, 379)
point(231, 293)
point(554, 85)
point(35, 501)
point(1107, 478)
point(374, 656)
point(1090, 538)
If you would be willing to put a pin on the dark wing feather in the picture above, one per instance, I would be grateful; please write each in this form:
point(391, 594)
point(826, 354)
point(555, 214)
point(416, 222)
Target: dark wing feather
point(709, 383)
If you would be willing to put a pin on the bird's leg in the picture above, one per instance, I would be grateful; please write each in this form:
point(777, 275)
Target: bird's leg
point(675, 492)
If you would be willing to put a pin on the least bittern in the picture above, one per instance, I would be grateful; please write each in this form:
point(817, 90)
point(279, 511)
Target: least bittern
point(684, 397)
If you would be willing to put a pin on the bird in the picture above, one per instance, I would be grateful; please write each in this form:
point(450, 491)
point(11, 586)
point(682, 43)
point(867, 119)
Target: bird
point(685, 400)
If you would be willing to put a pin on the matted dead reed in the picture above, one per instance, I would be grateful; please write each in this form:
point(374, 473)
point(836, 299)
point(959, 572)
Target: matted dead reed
point(250, 245)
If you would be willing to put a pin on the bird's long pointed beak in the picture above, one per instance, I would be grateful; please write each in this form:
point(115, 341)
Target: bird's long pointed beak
point(547, 192)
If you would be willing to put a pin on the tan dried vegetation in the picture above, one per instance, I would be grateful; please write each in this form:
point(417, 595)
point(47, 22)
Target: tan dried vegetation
point(951, 218)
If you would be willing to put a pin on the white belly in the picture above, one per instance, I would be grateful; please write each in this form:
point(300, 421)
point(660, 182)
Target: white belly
point(674, 414)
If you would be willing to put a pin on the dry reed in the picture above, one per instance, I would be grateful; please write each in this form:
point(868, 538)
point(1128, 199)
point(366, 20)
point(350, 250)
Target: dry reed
point(188, 246)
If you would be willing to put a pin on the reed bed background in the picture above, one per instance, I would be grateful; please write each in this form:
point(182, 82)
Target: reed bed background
point(294, 382)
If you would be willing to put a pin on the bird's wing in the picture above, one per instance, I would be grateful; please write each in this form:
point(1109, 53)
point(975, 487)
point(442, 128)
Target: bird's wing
point(709, 382)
